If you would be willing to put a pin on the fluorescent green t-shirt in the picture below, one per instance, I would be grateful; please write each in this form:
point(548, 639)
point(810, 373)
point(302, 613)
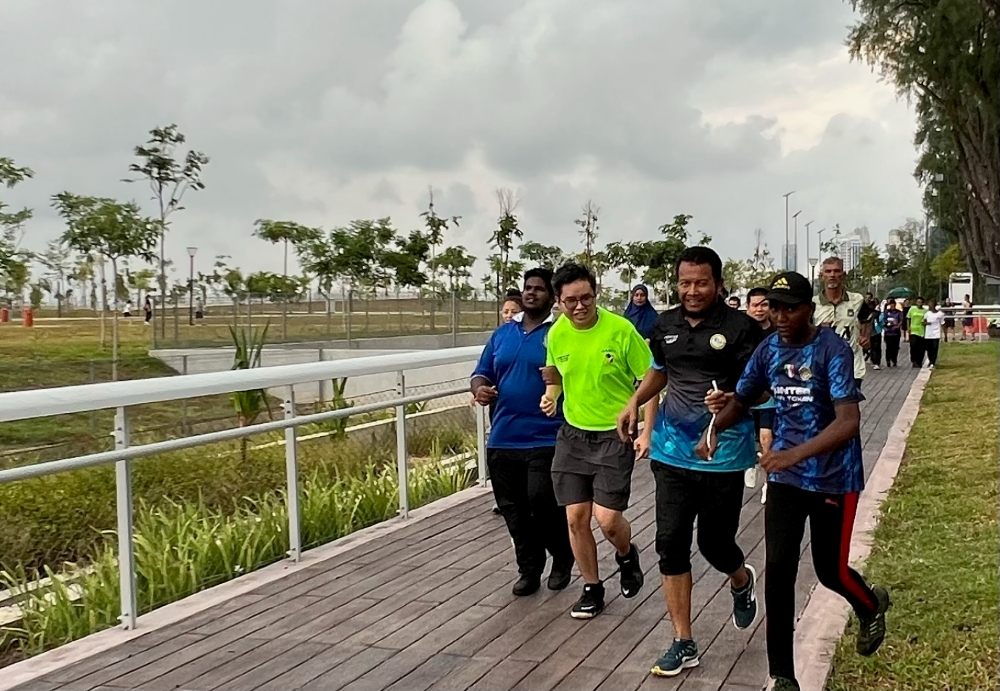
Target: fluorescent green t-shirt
point(599, 367)
point(916, 316)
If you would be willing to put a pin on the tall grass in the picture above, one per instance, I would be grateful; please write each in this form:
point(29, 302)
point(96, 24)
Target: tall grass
point(184, 547)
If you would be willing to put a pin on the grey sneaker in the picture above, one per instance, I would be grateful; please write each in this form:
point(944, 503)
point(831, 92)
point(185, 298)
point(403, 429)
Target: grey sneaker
point(683, 654)
point(871, 630)
point(745, 602)
point(785, 684)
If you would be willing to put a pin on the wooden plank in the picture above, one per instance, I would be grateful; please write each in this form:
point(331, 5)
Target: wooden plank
point(253, 678)
point(503, 676)
point(429, 674)
point(134, 662)
point(231, 669)
point(337, 677)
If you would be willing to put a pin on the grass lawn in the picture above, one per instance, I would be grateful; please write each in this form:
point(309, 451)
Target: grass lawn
point(936, 542)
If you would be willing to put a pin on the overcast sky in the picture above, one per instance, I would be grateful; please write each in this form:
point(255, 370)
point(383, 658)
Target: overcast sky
point(324, 112)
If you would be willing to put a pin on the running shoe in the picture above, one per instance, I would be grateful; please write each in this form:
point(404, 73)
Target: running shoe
point(785, 684)
point(590, 603)
point(630, 572)
point(683, 654)
point(871, 630)
point(745, 602)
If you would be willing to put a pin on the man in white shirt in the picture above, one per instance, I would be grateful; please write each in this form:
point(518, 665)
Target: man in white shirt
point(932, 331)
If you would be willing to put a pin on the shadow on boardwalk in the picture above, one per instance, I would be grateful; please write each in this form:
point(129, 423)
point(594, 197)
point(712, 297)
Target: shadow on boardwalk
point(429, 607)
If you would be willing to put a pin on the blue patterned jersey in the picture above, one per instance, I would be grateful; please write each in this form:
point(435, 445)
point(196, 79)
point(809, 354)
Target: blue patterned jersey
point(806, 382)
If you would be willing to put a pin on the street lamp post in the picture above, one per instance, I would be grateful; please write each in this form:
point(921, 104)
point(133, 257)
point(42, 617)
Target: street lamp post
point(808, 223)
point(819, 251)
point(785, 252)
point(795, 219)
point(191, 252)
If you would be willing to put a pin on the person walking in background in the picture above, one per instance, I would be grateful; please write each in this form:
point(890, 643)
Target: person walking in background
point(640, 312)
point(967, 330)
point(892, 332)
point(511, 305)
point(875, 342)
point(522, 438)
point(933, 321)
point(905, 309)
point(147, 308)
point(915, 326)
point(733, 301)
point(594, 358)
point(843, 311)
point(128, 309)
point(815, 469)
point(763, 414)
point(948, 325)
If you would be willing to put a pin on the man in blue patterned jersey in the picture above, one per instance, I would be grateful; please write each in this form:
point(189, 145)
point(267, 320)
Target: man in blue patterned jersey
point(701, 341)
point(814, 467)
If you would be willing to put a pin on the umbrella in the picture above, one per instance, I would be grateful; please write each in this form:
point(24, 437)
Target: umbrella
point(899, 293)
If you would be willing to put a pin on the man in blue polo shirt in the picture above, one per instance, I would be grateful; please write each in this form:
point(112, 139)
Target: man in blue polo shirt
point(701, 343)
point(815, 468)
point(522, 438)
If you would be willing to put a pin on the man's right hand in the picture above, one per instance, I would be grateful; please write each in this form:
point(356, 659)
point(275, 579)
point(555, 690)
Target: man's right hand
point(486, 394)
point(706, 447)
point(548, 406)
point(628, 421)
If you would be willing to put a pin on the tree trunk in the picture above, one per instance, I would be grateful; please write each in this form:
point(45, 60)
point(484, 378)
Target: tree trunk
point(104, 305)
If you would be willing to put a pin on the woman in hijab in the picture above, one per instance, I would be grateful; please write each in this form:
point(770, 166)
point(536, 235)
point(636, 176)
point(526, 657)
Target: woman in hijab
point(640, 312)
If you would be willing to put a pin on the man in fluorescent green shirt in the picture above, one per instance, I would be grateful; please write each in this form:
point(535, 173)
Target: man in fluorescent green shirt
point(594, 358)
point(915, 316)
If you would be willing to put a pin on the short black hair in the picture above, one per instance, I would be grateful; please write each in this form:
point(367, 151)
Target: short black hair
point(754, 292)
point(512, 293)
point(734, 297)
point(544, 274)
point(700, 255)
point(571, 273)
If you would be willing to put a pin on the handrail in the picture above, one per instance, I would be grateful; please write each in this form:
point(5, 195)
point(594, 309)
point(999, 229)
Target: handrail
point(23, 405)
point(153, 448)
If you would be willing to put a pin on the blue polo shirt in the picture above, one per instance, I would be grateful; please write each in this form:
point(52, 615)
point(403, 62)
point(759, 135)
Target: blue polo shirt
point(511, 361)
point(807, 382)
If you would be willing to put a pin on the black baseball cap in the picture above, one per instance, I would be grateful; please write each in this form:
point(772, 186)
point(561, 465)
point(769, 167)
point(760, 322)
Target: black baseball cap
point(790, 288)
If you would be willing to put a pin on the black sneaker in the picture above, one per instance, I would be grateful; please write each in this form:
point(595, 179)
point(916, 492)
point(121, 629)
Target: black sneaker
point(590, 603)
point(630, 572)
point(683, 654)
point(560, 576)
point(871, 630)
point(527, 585)
point(745, 602)
point(785, 684)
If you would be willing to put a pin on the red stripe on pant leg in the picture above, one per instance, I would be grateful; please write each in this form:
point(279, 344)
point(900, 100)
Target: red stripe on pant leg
point(843, 568)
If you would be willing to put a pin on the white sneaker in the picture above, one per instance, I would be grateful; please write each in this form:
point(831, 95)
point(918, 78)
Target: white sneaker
point(876, 367)
point(930, 367)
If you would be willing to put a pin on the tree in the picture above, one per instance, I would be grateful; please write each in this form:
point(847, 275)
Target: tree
point(455, 263)
point(14, 261)
point(660, 256)
point(285, 232)
point(870, 270)
point(945, 57)
point(627, 258)
point(55, 259)
point(142, 282)
point(436, 227)
point(170, 176)
point(588, 230)
point(111, 229)
point(947, 263)
point(502, 241)
point(549, 256)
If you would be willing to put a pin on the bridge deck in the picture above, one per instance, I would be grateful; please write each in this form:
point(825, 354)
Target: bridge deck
point(429, 607)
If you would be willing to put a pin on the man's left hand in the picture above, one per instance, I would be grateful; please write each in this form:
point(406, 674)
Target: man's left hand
point(774, 461)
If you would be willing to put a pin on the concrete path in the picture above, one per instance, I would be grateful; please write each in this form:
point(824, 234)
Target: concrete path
point(429, 607)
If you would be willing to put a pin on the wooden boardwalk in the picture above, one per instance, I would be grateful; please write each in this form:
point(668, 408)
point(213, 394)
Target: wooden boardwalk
point(429, 607)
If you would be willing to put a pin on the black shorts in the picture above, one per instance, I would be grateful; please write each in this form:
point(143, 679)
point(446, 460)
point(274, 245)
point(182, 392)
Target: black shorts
point(763, 418)
point(715, 499)
point(592, 467)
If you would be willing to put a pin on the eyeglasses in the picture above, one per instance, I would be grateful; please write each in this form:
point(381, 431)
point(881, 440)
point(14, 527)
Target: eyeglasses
point(571, 303)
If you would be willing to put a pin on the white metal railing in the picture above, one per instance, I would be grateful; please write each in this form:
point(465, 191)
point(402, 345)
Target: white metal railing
point(121, 395)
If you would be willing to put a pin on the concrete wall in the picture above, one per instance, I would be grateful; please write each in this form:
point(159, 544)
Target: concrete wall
point(379, 386)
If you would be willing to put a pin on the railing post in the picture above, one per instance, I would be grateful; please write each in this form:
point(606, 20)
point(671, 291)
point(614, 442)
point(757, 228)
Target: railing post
point(126, 551)
point(401, 453)
point(292, 475)
point(481, 442)
point(184, 403)
point(93, 413)
point(322, 383)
